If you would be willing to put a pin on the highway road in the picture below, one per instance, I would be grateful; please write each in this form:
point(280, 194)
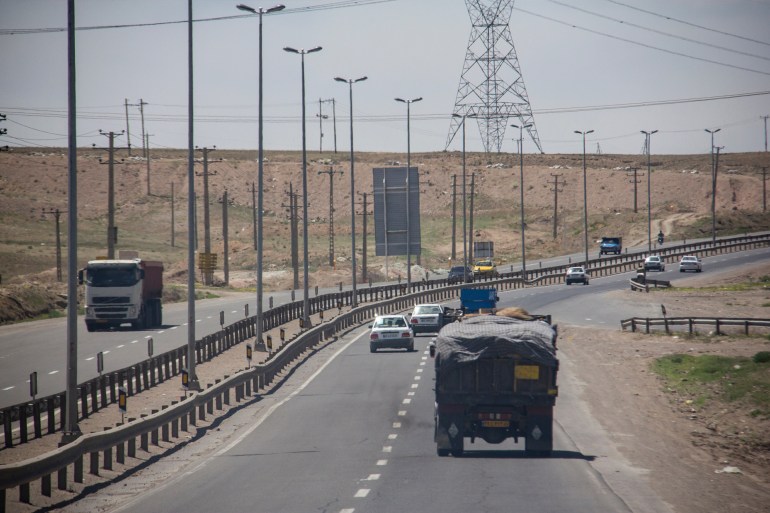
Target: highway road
point(41, 346)
point(353, 433)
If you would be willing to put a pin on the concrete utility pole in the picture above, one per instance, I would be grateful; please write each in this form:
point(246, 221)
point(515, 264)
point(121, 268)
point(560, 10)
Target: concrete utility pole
point(128, 132)
point(112, 230)
point(365, 213)
point(331, 172)
point(647, 140)
point(556, 190)
point(765, 120)
point(635, 182)
point(208, 274)
point(764, 189)
point(454, 217)
point(321, 116)
point(294, 202)
point(147, 142)
point(141, 105)
point(57, 214)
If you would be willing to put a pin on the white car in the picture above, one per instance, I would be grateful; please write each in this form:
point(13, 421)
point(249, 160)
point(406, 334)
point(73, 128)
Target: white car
point(392, 332)
point(576, 274)
point(427, 318)
point(654, 262)
point(690, 263)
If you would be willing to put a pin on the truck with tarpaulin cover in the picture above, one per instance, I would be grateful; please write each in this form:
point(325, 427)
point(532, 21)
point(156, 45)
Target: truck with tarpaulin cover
point(495, 379)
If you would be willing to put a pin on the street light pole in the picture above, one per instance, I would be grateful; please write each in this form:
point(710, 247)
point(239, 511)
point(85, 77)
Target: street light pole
point(465, 229)
point(648, 135)
point(585, 194)
point(350, 83)
point(305, 299)
point(521, 188)
point(408, 168)
point(260, 171)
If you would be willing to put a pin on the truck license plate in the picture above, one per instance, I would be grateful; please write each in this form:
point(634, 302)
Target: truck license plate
point(495, 423)
point(527, 372)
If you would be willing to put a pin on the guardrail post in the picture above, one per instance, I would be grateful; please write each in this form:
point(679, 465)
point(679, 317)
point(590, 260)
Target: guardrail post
point(202, 412)
point(24, 493)
point(7, 429)
point(154, 433)
point(37, 421)
point(45, 485)
point(107, 455)
point(51, 407)
point(77, 473)
point(120, 453)
point(131, 447)
point(144, 441)
point(84, 400)
point(717, 326)
point(61, 478)
point(23, 424)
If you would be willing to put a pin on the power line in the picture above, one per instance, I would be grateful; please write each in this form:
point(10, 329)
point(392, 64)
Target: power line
point(656, 31)
point(645, 45)
point(688, 23)
point(295, 10)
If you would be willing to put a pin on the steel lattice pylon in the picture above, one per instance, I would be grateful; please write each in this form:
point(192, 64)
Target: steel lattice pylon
point(491, 86)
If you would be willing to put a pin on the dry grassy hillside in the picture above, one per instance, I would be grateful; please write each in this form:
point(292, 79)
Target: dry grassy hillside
point(34, 180)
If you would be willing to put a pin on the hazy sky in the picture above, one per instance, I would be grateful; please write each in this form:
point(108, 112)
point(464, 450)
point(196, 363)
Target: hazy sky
point(657, 53)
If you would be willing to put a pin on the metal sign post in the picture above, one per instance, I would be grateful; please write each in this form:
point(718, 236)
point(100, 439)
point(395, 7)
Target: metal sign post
point(122, 403)
point(248, 355)
point(100, 362)
point(150, 349)
point(33, 384)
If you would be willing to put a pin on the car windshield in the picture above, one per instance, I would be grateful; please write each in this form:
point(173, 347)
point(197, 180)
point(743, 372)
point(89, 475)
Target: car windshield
point(484, 263)
point(390, 322)
point(575, 270)
point(456, 270)
point(689, 259)
point(421, 310)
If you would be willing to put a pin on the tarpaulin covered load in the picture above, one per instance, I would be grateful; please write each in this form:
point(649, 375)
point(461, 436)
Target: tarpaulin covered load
point(493, 336)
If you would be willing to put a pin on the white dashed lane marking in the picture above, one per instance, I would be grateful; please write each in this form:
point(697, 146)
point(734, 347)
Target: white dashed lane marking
point(363, 492)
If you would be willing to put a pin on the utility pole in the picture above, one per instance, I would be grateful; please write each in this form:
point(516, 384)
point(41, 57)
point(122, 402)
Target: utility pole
point(635, 181)
point(141, 105)
point(321, 118)
point(207, 273)
point(764, 189)
point(365, 213)
point(454, 216)
point(556, 190)
point(334, 122)
point(765, 120)
point(112, 230)
point(225, 239)
point(470, 228)
point(147, 144)
point(331, 172)
point(293, 232)
point(128, 132)
point(57, 214)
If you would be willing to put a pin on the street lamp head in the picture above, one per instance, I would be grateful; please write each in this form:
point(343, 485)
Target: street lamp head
point(360, 79)
point(279, 7)
point(290, 50)
point(316, 49)
point(246, 8)
point(340, 79)
point(409, 101)
point(301, 51)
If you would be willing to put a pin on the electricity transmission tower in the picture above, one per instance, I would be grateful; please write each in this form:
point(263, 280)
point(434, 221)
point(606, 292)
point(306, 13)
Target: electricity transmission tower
point(491, 85)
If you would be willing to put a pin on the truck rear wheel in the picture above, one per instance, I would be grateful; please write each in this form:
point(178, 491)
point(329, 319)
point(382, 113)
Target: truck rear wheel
point(90, 326)
point(458, 445)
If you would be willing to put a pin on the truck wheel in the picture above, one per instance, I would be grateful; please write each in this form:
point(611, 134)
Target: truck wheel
point(442, 452)
point(90, 326)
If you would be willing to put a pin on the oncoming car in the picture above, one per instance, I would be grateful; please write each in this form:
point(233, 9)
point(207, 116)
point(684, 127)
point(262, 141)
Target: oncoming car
point(457, 273)
point(690, 263)
point(576, 274)
point(391, 332)
point(485, 268)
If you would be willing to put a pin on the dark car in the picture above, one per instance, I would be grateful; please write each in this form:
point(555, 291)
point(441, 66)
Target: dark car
point(456, 274)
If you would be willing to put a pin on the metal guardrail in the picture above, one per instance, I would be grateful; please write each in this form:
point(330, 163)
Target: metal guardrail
point(647, 323)
point(391, 298)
